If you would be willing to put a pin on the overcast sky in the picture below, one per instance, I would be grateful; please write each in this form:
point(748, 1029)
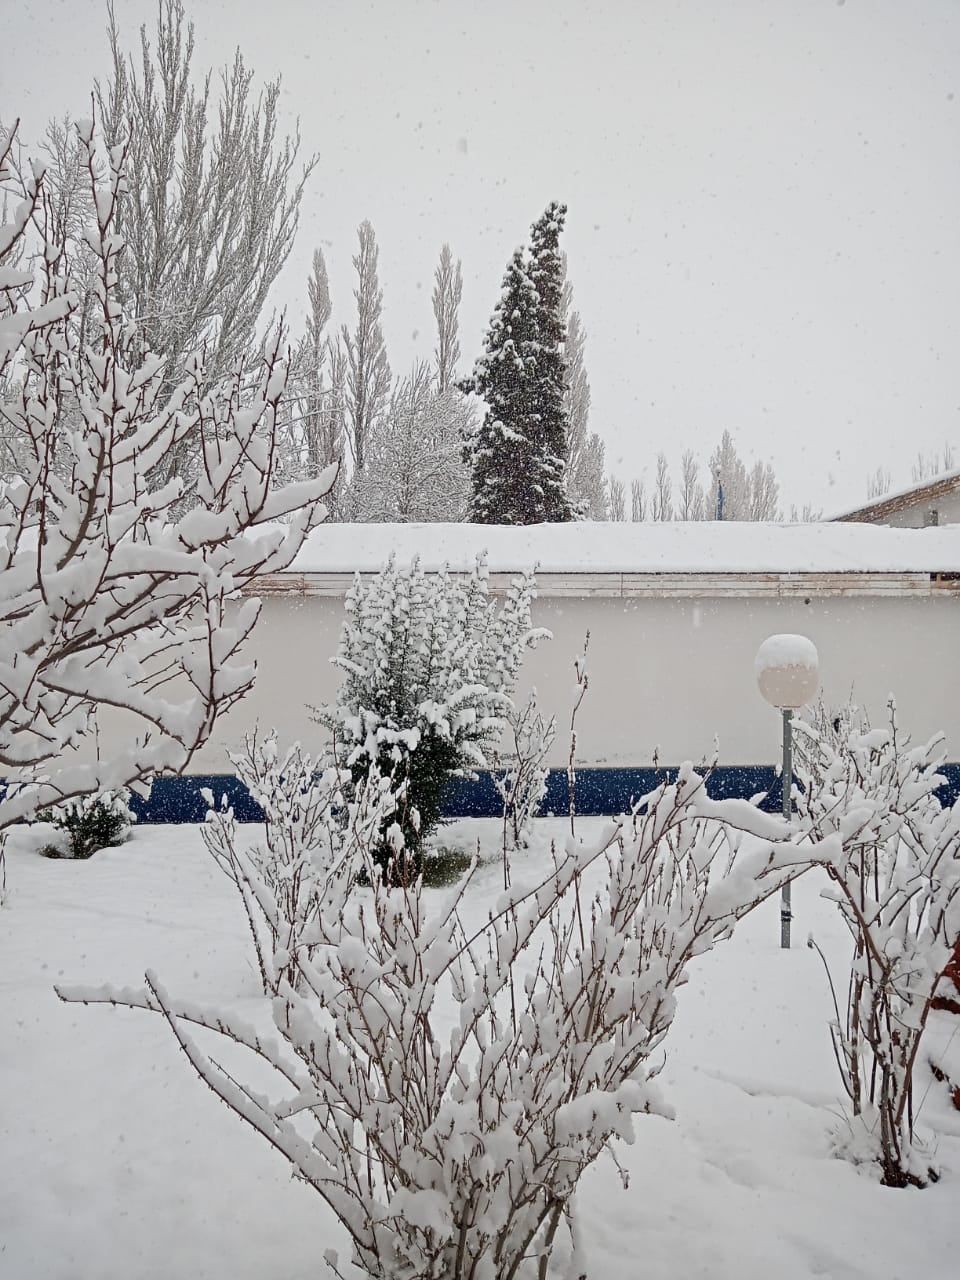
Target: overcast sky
point(764, 195)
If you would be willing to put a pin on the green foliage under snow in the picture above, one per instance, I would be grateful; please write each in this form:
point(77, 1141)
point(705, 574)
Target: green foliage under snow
point(90, 823)
point(429, 663)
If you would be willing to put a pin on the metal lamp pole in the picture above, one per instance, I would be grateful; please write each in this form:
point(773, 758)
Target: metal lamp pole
point(786, 914)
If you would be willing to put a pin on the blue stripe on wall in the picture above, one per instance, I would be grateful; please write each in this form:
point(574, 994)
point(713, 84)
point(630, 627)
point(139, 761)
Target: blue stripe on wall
point(600, 791)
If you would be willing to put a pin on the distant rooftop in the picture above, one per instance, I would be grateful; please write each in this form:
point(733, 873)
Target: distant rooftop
point(674, 547)
point(889, 504)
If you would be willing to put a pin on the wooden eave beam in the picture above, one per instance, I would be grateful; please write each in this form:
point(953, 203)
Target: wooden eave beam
point(669, 586)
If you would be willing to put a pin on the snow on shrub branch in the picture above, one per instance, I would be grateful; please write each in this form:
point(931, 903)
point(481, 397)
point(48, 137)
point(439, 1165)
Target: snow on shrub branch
point(522, 784)
point(312, 837)
point(456, 1153)
point(108, 598)
point(897, 888)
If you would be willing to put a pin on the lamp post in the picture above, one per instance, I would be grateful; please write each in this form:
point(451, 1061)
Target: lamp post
point(787, 670)
point(719, 512)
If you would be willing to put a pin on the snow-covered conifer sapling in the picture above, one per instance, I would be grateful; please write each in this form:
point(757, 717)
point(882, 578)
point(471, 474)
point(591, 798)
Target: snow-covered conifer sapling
point(429, 662)
point(89, 823)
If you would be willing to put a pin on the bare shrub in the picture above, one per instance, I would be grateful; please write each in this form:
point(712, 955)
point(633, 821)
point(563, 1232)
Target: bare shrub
point(897, 887)
point(457, 1155)
point(523, 783)
point(309, 828)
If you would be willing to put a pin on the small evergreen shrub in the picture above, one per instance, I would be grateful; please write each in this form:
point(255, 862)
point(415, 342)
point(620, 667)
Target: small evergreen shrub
point(429, 663)
point(90, 823)
point(443, 867)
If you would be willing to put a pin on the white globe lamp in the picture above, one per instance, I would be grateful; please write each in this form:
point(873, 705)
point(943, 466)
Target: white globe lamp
point(788, 671)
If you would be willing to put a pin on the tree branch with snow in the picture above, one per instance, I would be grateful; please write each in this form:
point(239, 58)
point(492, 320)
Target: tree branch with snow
point(108, 599)
point(897, 888)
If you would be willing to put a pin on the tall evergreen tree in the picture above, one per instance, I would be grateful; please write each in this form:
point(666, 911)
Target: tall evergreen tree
point(519, 454)
point(547, 272)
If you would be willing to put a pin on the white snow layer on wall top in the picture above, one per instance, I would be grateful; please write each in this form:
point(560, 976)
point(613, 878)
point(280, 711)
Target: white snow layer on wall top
point(594, 547)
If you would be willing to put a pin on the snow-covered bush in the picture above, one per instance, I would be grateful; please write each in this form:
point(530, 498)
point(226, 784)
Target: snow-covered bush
point(429, 663)
point(90, 823)
point(308, 828)
point(108, 598)
point(823, 733)
point(453, 1147)
point(523, 783)
point(897, 887)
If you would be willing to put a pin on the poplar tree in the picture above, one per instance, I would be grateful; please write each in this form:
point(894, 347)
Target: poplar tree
point(212, 201)
point(313, 435)
point(367, 368)
point(447, 295)
point(586, 462)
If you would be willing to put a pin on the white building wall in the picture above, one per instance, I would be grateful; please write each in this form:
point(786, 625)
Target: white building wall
point(664, 673)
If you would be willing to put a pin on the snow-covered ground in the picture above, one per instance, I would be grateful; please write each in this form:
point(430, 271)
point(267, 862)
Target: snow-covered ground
point(118, 1163)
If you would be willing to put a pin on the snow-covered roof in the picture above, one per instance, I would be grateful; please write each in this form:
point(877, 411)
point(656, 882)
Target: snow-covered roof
point(676, 547)
point(913, 495)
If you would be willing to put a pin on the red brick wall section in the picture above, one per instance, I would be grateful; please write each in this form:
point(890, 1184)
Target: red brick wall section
point(949, 1000)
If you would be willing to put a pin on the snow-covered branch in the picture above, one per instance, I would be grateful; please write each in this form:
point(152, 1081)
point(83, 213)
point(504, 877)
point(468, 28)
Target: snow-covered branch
point(897, 887)
point(453, 1148)
point(107, 597)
